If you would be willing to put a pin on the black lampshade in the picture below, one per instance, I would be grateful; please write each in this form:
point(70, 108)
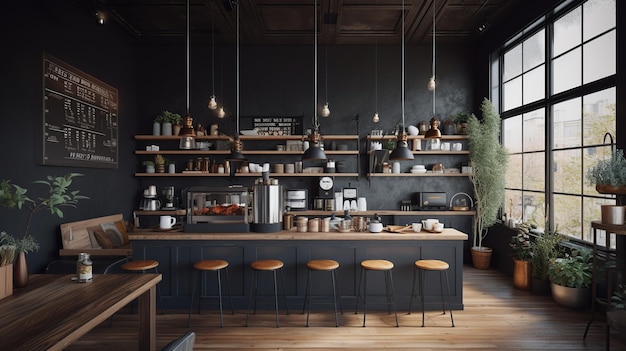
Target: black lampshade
point(314, 153)
point(401, 152)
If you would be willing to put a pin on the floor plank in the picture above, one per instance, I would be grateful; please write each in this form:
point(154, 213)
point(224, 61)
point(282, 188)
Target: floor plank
point(496, 317)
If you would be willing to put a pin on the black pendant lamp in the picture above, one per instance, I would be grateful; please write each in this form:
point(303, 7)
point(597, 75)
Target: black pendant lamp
point(237, 145)
point(315, 152)
point(402, 152)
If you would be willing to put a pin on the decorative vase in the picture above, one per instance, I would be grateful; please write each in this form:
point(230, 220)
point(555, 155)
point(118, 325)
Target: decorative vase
point(522, 276)
point(20, 271)
point(171, 168)
point(481, 257)
point(449, 129)
point(159, 167)
point(176, 129)
point(156, 128)
point(166, 128)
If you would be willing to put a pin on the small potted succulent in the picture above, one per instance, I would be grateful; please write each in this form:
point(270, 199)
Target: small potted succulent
point(149, 166)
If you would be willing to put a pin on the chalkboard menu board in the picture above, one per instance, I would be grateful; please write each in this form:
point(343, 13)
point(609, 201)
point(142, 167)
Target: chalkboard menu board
point(272, 125)
point(80, 122)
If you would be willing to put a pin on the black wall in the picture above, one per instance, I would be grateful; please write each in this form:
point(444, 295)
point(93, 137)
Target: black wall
point(28, 29)
point(274, 80)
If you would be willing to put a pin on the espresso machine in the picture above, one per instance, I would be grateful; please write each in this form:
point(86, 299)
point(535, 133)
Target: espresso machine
point(169, 200)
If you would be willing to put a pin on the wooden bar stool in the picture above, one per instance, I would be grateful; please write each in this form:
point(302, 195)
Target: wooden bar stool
point(214, 266)
point(141, 266)
point(326, 266)
point(376, 265)
point(266, 266)
point(431, 265)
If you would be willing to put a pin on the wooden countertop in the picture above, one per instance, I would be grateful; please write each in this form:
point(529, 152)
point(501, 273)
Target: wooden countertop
point(447, 234)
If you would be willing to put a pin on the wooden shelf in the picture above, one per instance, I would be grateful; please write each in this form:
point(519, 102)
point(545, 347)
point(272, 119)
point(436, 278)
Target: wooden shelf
point(385, 213)
point(257, 175)
point(413, 137)
point(418, 174)
point(247, 137)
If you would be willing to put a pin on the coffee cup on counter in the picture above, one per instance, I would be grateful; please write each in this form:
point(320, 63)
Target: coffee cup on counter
point(417, 227)
point(428, 224)
point(167, 222)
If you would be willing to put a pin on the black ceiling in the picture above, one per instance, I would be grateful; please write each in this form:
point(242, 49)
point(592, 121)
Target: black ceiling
point(340, 22)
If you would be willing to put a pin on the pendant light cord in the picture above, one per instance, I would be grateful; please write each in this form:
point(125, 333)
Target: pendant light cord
point(213, 50)
point(402, 63)
point(315, 70)
point(187, 56)
point(434, 89)
point(376, 66)
point(237, 132)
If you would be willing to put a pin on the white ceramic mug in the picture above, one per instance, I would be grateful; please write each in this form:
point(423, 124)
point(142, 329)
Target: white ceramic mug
point(429, 223)
point(417, 227)
point(457, 146)
point(166, 222)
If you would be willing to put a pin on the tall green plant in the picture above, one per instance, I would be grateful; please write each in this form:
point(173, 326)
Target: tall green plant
point(488, 159)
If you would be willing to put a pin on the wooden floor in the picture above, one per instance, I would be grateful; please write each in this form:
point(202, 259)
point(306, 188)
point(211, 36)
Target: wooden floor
point(496, 317)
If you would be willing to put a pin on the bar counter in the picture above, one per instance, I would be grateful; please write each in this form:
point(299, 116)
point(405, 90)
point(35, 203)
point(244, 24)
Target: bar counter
point(178, 251)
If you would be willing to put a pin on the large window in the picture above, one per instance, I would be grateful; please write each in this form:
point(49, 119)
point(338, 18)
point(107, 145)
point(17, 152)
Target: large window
point(558, 101)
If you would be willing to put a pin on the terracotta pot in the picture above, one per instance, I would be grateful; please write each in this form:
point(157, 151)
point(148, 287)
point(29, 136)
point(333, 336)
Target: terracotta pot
point(522, 274)
point(609, 189)
point(481, 257)
point(20, 271)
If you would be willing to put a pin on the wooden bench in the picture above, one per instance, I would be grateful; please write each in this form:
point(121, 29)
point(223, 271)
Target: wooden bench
point(76, 238)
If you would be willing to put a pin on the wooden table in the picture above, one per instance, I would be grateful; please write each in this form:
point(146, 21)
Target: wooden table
point(53, 311)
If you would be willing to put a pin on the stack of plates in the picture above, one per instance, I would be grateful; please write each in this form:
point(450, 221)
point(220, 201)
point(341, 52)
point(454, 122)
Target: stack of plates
point(418, 169)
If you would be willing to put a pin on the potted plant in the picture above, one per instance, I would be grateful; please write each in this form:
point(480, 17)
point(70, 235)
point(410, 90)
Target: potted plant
point(168, 119)
point(15, 196)
point(171, 166)
point(522, 254)
point(545, 248)
point(570, 278)
point(461, 119)
point(488, 159)
point(609, 176)
point(159, 163)
point(149, 166)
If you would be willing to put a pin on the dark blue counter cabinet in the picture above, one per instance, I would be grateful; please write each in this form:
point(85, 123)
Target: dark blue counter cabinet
point(177, 252)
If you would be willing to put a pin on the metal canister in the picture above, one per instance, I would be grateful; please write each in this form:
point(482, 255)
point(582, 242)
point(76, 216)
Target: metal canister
point(84, 268)
point(288, 221)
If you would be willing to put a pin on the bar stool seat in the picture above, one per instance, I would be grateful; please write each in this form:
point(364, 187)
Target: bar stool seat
point(377, 265)
point(211, 266)
point(140, 265)
point(431, 265)
point(322, 266)
point(266, 266)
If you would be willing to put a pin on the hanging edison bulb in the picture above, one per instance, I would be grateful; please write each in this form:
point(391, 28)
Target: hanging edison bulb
point(376, 118)
point(221, 113)
point(325, 110)
point(431, 83)
point(212, 103)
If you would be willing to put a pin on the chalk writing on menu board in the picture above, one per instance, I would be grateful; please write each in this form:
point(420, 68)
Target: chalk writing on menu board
point(80, 122)
point(268, 125)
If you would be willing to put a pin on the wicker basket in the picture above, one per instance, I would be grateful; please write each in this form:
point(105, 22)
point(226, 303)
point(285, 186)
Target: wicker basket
point(481, 257)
